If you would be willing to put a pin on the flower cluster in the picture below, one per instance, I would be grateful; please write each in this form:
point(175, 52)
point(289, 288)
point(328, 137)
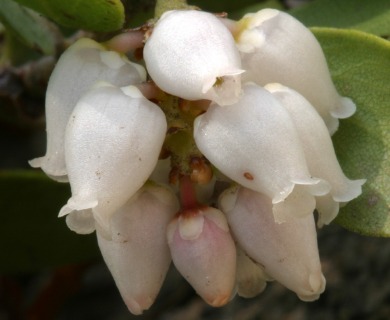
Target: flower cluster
point(218, 165)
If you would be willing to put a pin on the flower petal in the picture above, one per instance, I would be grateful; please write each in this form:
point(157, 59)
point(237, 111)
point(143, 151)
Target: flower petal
point(138, 255)
point(254, 142)
point(81, 222)
point(318, 148)
point(204, 253)
point(251, 278)
point(112, 144)
point(81, 65)
point(275, 47)
point(288, 251)
point(192, 55)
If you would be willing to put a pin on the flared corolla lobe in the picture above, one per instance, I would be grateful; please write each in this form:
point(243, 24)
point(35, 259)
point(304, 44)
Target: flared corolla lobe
point(112, 144)
point(81, 221)
point(192, 55)
point(319, 152)
point(204, 253)
point(81, 65)
point(275, 47)
point(255, 143)
point(287, 251)
point(138, 255)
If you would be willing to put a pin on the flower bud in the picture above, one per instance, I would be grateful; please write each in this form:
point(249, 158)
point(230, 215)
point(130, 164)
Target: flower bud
point(192, 55)
point(255, 143)
point(275, 47)
point(319, 152)
point(204, 253)
point(287, 251)
point(251, 278)
point(138, 255)
point(112, 144)
point(80, 66)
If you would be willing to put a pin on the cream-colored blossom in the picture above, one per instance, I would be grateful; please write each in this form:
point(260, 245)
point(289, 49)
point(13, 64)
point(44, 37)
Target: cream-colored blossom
point(192, 55)
point(80, 66)
point(255, 143)
point(287, 251)
point(138, 255)
point(112, 144)
point(319, 152)
point(275, 47)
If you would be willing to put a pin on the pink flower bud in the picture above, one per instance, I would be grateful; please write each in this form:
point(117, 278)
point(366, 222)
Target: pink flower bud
point(204, 253)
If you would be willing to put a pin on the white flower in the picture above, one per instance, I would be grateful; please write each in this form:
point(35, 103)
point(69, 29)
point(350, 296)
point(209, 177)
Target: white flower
point(113, 140)
point(287, 251)
point(275, 47)
point(204, 253)
point(319, 152)
point(138, 255)
point(241, 223)
point(81, 65)
point(255, 143)
point(191, 54)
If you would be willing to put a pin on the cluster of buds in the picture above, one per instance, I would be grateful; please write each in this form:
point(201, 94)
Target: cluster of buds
point(217, 164)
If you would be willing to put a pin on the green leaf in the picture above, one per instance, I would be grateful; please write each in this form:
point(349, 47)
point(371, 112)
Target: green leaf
point(360, 64)
point(223, 6)
point(32, 237)
point(94, 15)
point(274, 4)
point(28, 26)
point(369, 16)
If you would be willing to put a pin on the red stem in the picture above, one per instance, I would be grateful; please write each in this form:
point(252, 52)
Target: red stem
point(187, 194)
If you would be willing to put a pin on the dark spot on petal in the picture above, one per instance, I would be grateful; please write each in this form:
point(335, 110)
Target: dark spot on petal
point(248, 176)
